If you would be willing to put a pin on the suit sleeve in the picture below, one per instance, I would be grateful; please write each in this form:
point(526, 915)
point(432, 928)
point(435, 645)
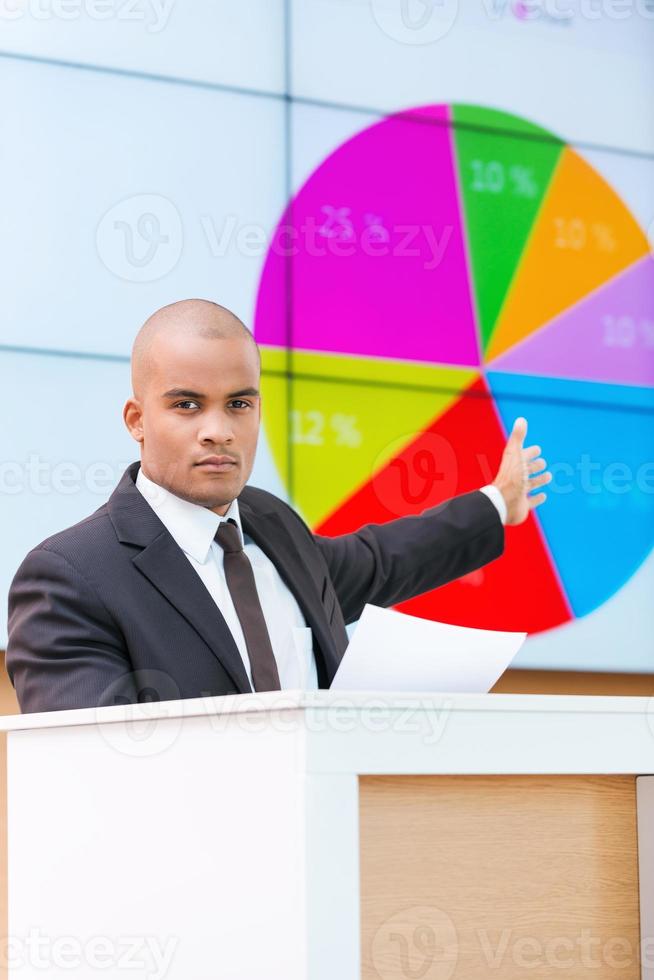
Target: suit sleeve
point(64, 649)
point(388, 563)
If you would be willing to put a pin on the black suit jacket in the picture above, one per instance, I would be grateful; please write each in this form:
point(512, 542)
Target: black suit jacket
point(110, 610)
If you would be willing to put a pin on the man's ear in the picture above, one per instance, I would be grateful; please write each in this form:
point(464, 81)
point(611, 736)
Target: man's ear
point(133, 418)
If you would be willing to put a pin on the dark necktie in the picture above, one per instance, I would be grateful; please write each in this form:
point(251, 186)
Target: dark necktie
point(243, 590)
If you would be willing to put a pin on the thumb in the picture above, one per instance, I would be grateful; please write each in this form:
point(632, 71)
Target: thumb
point(518, 432)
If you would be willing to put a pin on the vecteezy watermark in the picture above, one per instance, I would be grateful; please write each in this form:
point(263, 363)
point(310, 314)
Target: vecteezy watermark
point(565, 12)
point(154, 14)
point(426, 21)
point(419, 943)
point(334, 230)
point(140, 239)
point(607, 479)
point(40, 476)
point(424, 718)
point(415, 21)
point(411, 478)
point(152, 713)
point(151, 723)
point(583, 950)
point(37, 950)
point(422, 942)
point(419, 470)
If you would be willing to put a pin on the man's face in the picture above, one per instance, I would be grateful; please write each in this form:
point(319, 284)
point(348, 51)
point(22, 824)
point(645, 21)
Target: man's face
point(201, 400)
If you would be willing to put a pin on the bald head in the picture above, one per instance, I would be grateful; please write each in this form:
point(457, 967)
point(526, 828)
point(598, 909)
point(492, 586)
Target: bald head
point(186, 319)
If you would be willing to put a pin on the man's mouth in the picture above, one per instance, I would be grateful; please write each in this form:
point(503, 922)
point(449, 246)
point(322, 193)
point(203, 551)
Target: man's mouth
point(217, 464)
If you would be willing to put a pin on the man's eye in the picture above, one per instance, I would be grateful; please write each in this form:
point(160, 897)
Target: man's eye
point(188, 402)
point(239, 401)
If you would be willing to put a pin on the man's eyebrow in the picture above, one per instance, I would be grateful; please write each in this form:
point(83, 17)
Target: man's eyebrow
point(187, 393)
point(181, 393)
point(253, 392)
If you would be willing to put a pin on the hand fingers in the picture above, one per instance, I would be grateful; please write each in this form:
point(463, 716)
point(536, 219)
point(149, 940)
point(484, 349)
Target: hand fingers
point(539, 481)
point(518, 432)
point(531, 452)
point(537, 465)
point(537, 500)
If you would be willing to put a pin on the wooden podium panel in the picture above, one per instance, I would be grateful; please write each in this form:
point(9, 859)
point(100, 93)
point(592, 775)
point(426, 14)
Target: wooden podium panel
point(471, 877)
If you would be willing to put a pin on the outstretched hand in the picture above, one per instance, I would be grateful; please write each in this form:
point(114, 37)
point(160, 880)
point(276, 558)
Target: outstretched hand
point(521, 471)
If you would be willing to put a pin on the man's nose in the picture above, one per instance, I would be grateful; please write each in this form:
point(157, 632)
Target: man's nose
point(216, 427)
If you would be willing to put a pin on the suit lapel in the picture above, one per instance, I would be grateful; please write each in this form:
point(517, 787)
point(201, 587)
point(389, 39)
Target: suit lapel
point(166, 566)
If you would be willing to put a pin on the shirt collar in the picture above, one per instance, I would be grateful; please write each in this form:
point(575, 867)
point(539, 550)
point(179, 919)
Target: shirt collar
point(192, 526)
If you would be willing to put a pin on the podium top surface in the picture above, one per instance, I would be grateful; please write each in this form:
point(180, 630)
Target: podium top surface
point(326, 700)
point(354, 733)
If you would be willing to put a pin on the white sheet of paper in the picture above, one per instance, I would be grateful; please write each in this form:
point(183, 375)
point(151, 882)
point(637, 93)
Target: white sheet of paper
point(390, 651)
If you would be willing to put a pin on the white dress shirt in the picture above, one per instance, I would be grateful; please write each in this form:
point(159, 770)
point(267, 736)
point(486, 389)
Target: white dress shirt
point(194, 526)
point(496, 496)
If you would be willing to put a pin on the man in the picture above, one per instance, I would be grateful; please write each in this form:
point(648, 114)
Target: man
point(189, 583)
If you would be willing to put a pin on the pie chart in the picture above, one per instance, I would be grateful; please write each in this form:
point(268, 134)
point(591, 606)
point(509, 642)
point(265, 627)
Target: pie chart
point(443, 271)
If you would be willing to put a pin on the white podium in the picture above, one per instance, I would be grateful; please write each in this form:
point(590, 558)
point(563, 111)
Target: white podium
point(330, 836)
